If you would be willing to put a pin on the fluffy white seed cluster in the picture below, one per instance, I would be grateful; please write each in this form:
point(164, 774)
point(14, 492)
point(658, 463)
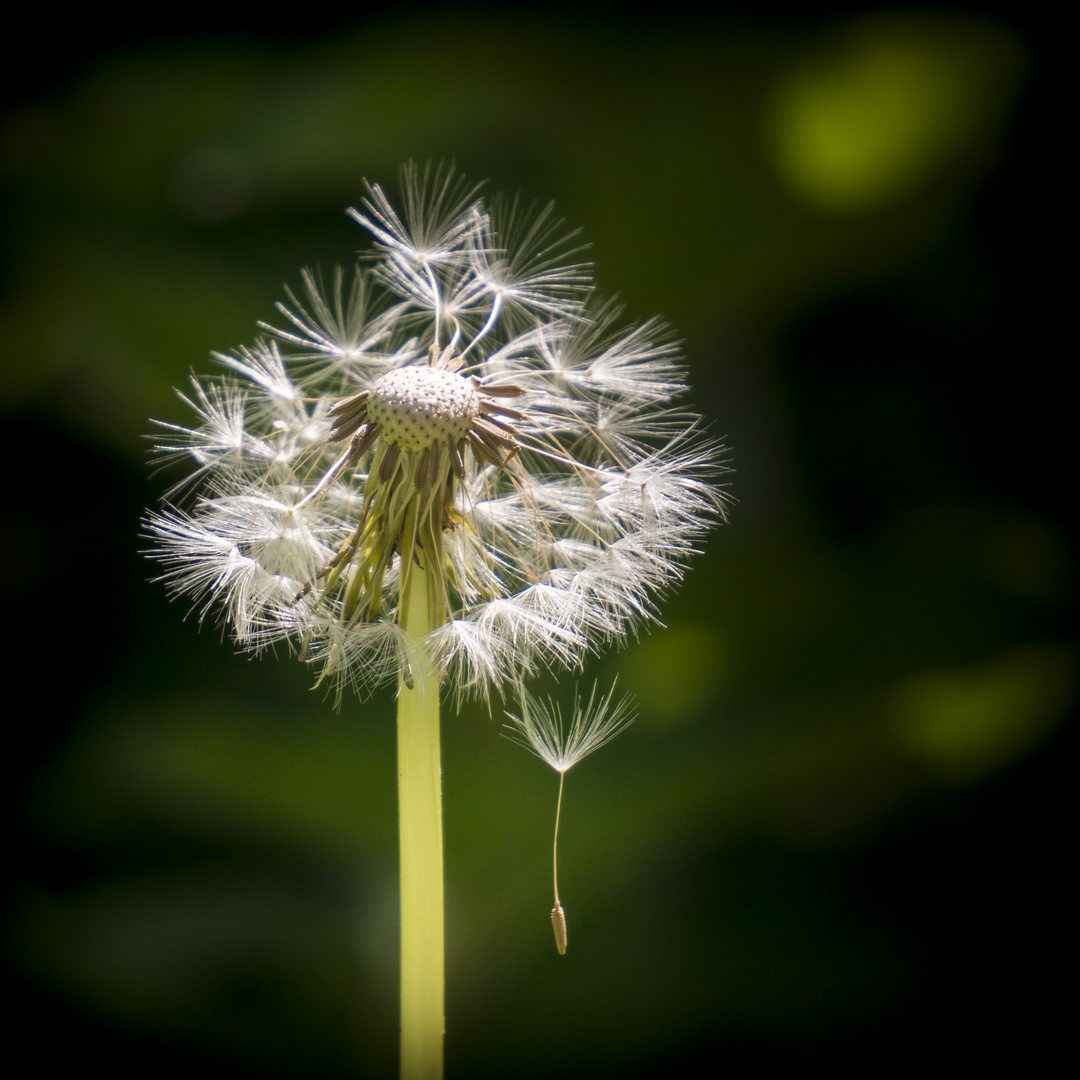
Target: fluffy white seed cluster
point(463, 404)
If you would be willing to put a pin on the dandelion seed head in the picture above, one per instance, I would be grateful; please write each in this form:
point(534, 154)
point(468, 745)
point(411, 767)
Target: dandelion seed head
point(464, 407)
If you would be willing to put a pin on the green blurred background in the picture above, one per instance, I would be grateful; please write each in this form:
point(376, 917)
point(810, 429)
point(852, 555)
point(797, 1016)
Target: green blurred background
point(835, 836)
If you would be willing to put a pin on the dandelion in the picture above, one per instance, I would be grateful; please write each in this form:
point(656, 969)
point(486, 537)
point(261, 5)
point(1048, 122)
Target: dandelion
point(540, 729)
point(449, 471)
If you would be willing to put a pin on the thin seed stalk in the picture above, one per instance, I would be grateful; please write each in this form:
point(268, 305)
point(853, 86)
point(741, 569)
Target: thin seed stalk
point(420, 822)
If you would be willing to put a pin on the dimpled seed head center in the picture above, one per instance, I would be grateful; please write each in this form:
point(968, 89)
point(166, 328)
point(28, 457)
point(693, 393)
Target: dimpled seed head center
point(415, 406)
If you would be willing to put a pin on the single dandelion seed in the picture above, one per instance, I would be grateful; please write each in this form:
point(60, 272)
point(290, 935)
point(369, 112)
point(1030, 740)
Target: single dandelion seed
point(541, 729)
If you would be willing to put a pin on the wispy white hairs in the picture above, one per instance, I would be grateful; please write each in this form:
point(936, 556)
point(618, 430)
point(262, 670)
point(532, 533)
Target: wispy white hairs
point(465, 403)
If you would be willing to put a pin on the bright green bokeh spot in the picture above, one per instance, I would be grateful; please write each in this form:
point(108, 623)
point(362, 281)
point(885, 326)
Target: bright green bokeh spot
point(867, 121)
point(675, 674)
point(967, 722)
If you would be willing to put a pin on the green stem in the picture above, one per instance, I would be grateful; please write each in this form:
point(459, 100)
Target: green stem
point(420, 816)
